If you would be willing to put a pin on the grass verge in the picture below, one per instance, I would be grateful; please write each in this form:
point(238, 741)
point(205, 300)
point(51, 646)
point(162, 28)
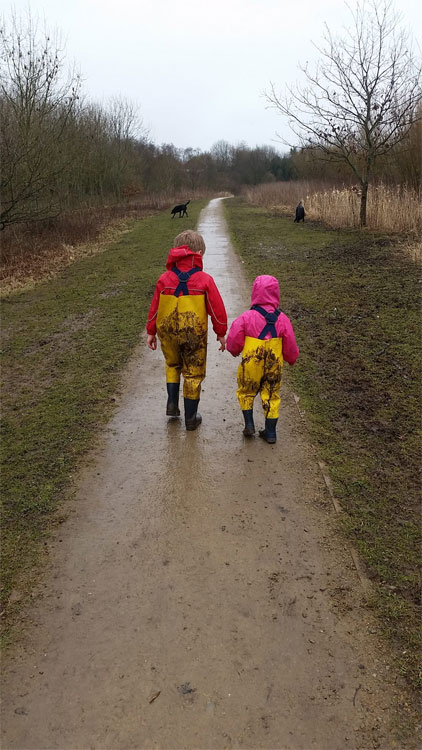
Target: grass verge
point(354, 304)
point(65, 343)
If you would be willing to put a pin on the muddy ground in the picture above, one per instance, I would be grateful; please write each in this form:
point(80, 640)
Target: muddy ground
point(199, 594)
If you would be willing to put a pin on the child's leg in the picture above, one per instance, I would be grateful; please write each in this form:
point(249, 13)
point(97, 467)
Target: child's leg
point(193, 370)
point(194, 363)
point(249, 375)
point(271, 379)
point(173, 358)
point(270, 396)
point(247, 385)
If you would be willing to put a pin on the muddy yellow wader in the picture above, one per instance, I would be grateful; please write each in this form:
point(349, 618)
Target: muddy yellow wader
point(182, 326)
point(260, 369)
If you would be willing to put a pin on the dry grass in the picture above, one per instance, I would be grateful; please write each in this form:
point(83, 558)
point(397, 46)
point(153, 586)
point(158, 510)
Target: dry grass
point(282, 196)
point(390, 209)
point(31, 253)
point(25, 269)
point(414, 250)
point(395, 209)
point(38, 251)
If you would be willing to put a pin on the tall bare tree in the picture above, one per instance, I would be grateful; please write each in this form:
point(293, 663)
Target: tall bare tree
point(37, 99)
point(362, 97)
point(125, 127)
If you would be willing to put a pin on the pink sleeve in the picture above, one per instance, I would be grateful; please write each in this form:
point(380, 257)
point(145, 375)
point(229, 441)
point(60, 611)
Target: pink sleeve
point(290, 348)
point(236, 338)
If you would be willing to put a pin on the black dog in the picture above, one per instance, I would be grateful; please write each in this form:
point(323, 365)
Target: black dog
point(181, 209)
point(300, 213)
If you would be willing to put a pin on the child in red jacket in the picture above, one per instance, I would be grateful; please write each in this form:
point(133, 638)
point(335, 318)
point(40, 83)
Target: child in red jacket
point(184, 297)
point(265, 337)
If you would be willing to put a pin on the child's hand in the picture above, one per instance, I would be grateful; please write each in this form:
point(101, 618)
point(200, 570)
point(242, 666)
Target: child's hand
point(222, 340)
point(152, 342)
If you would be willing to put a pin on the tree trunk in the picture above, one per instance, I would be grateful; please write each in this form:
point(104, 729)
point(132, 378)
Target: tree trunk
point(363, 199)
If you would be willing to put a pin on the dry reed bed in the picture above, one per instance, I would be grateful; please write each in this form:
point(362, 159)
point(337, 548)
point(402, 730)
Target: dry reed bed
point(395, 209)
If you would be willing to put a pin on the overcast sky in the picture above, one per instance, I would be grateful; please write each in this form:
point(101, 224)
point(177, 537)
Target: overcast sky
point(196, 68)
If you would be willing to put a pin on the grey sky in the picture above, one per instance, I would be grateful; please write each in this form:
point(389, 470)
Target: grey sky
point(196, 69)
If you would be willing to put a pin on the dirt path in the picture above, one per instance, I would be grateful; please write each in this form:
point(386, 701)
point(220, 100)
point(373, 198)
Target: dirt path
point(197, 597)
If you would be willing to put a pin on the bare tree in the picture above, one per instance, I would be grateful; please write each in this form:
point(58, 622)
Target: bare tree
point(362, 97)
point(36, 103)
point(125, 126)
point(124, 119)
point(222, 153)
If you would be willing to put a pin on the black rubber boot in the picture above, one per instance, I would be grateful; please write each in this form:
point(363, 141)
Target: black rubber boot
point(249, 430)
point(192, 418)
point(172, 409)
point(269, 434)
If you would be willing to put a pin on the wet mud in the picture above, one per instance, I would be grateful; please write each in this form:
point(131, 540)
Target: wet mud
point(263, 359)
point(183, 339)
point(185, 327)
point(198, 595)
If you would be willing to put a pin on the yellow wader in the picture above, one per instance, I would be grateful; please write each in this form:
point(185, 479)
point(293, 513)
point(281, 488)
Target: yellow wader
point(260, 372)
point(182, 325)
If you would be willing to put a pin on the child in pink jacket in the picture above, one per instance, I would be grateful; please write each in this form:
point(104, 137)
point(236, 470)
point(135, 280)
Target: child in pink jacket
point(265, 337)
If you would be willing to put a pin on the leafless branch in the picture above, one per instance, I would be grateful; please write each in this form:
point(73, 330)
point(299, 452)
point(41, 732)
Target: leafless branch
point(363, 96)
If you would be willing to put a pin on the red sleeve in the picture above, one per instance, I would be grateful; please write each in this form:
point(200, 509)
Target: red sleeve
point(152, 315)
point(215, 308)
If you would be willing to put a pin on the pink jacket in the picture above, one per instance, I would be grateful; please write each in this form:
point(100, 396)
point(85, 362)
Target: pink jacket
point(266, 293)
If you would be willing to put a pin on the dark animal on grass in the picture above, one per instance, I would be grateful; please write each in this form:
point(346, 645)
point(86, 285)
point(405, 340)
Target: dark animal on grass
point(300, 212)
point(181, 209)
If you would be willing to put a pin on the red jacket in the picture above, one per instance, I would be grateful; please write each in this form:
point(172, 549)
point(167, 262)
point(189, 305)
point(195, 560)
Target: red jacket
point(199, 283)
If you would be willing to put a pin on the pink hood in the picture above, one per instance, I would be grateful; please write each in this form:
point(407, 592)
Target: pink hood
point(265, 292)
point(184, 258)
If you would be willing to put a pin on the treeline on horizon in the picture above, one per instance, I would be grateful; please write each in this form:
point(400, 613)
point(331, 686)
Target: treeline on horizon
point(61, 152)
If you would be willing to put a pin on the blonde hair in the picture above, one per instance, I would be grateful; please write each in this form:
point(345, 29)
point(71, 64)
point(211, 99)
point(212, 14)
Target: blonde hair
point(192, 239)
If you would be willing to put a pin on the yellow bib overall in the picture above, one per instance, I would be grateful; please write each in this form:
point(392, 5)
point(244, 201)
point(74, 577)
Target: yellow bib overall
point(260, 372)
point(182, 326)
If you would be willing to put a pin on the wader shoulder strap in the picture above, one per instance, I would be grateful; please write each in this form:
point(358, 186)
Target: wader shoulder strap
point(271, 318)
point(183, 276)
